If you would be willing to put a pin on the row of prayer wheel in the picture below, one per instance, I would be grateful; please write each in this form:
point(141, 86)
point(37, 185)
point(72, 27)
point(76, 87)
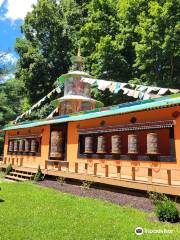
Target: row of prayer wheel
point(27, 145)
point(116, 144)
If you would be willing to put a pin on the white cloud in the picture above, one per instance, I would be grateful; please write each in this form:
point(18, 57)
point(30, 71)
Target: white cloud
point(6, 77)
point(8, 59)
point(17, 9)
point(1, 2)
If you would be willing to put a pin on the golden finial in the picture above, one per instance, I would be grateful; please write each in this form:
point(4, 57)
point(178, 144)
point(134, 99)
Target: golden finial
point(78, 61)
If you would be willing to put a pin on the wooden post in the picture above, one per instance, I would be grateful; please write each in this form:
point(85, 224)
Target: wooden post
point(67, 167)
point(86, 168)
point(46, 163)
point(95, 168)
point(5, 159)
point(21, 162)
point(133, 174)
point(76, 167)
point(169, 176)
point(59, 166)
point(106, 171)
point(149, 175)
point(12, 161)
point(118, 171)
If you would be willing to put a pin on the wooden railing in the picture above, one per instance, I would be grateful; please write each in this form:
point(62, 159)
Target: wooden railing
point(149, 174)
point(15, 161)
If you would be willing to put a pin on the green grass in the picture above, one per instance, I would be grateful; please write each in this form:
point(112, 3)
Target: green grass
point(32, 212)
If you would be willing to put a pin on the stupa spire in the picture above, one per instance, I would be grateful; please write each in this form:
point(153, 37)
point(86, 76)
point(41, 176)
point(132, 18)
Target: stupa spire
point(78, 61)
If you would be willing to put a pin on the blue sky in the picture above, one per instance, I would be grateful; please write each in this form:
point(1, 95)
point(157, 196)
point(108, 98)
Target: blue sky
point(12, 13)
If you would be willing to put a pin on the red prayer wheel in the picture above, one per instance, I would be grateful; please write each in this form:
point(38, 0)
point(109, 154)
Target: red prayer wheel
point(27, 145)
point(101, 144)
point(56, 144)
point(16, 146)
point(88, 144)
point(152, 143)
point(116, 144)
point(11, 146)
point(33, 145)
point(132, 144)
point(21, 145)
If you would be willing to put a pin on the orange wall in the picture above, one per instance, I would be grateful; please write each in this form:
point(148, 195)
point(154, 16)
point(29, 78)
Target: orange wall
point(31, 161)
point(153, 115)
point(72, 146)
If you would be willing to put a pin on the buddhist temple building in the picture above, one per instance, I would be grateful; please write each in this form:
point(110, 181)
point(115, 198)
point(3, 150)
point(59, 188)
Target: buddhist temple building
point(134, 145)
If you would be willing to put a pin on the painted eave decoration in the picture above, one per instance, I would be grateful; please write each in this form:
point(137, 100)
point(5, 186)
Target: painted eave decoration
point(167, 101)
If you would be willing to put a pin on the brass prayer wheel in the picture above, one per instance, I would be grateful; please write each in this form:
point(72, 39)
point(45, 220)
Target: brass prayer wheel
point(88, 145)
point(116, 144)
point(33, 145)
point(101, 144)
point(27, 145)
point(16, 146)
point(132, 144)
point(21, 145)
point(56, 144)
point(152, 143)
point(11, 146)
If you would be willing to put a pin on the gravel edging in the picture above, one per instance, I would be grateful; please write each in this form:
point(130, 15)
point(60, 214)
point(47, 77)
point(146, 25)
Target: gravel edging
point(119, 198)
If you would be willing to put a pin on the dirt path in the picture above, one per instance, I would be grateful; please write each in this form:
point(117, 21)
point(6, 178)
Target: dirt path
point(119, 198)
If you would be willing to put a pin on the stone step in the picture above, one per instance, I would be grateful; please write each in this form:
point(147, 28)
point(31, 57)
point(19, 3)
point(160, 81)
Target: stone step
point(15, 178)
point(22, 174)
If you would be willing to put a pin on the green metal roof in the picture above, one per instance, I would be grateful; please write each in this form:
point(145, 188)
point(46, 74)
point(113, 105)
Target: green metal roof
point(162, 102)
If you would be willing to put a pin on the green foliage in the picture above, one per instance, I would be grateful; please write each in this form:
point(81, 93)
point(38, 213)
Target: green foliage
point(61, 180)
point(86, 184)
point(49, 214)
point(9, 169)
point(167, 211)
point(39, 175)
point(51, 38)
point(157, 49)
point(11, 98)
point(165, 208)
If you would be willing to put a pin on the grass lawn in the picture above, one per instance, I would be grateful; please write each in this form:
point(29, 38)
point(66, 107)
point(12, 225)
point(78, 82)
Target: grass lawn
point(32, 212)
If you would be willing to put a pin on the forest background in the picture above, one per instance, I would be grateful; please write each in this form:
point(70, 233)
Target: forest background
point(134, 41)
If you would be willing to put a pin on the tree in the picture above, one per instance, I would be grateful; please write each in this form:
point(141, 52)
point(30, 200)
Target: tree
point(51, 38)
point(157, 51)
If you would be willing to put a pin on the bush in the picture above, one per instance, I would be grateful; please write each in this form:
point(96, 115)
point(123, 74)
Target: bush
point(9, 168)
point(167, 211)
point(39, 175)
point(165, 208)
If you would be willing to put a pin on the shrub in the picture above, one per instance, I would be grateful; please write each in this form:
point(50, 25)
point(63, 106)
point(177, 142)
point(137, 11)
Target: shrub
point(9, 168)
point(167, 211)
point(39, 175)
point(165, 208)
point(61, 180)
point(86, 184)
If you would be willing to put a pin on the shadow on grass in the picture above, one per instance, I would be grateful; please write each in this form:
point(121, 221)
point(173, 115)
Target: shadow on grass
point(1, 200)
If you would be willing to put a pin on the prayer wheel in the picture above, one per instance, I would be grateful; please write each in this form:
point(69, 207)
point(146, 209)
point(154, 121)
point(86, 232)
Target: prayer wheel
point(101, 144)
point(16, 146)
point(116, 144)
point(56, 144)
point(21, 145)
point(132, 144)
point(33, 145)
point(11, 146)
point(27, 145)
point(88, 144)
point(152, 143)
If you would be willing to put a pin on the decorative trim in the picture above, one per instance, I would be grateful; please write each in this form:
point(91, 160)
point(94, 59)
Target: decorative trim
point(16, 137)
point(146, 158)
point(128, 127)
